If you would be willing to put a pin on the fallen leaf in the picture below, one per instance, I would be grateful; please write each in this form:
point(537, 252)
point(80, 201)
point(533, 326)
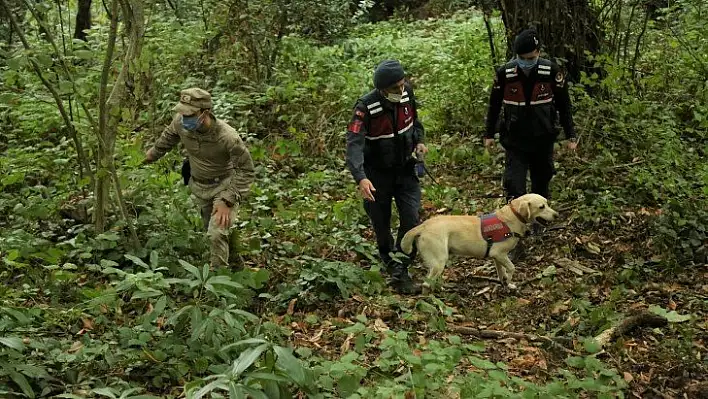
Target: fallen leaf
point(75, 347)
point(380, 326)
point(672, 304)
point(627, 377)
point(523, 301)
point(592, 248)
point(559, 308)
point(87, 323)
point(346, 344)
point(291, 306)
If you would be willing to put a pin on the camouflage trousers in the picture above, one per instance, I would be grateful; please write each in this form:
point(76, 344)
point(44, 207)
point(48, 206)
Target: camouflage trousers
point(203, 196)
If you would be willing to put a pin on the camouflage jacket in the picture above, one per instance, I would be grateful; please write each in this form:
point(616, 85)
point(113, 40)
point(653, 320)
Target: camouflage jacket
point(216, 154)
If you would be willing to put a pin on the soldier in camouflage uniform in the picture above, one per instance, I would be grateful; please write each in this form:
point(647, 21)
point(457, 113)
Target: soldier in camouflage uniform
point(221, 166)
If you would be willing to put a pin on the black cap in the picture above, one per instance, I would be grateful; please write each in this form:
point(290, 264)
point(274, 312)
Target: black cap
point(526, 42)
point(387, 74)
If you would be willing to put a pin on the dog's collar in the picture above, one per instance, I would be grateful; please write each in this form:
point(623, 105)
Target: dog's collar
point(518, 215)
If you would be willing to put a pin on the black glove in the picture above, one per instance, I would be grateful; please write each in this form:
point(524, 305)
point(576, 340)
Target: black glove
point(186, 171)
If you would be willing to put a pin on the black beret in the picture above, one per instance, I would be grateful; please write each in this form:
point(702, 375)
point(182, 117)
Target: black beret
point(387, 74)
point(526, 42)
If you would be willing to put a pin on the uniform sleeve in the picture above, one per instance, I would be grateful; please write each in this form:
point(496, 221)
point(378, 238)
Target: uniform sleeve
point(419, 136)
point(167, 140)
point(495, 103)
point(356, 140)
point(244, 173)
point(561, 98)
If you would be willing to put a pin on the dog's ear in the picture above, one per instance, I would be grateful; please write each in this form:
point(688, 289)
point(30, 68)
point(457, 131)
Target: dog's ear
point(526, 210)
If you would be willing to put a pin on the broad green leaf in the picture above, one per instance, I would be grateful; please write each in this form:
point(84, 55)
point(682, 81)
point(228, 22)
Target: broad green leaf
point(251, 341)
point(191, 269)
point(247, 358)
point(13, 342)
point(224, 280)
point(292, 367)
point(137, 261)
point(16, 63)
point(672, 316)
point(253, 393)
point(591, 345)
point(173, 319)
point(22, 382)
point(151, 293)
point(18, 315)
point(83, 54)
point(110, 392)
point(44, 60)
point(7, 98)
point(267, 376)
point(208, 388)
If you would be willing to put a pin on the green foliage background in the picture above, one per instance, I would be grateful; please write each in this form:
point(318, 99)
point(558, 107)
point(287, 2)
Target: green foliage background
point(87, 315)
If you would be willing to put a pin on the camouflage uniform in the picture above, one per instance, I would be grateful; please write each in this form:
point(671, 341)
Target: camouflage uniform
point(221, 166)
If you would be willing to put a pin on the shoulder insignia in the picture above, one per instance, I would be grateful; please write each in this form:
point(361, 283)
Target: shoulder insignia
point(559, 77)
point(355, 126)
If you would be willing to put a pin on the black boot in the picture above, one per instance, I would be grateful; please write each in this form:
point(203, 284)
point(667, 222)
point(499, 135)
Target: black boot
point(401, 281)
point(518, 252)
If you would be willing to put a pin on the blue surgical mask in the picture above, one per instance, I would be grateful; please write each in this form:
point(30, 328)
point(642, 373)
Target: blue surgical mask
point(527, 65)
point(190, 123)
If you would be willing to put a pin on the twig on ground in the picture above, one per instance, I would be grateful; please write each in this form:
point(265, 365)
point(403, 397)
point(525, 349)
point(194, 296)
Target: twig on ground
point(558, 342)
point(642, 319)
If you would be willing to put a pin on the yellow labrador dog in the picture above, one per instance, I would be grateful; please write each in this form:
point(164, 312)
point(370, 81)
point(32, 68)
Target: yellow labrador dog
point(493, 235)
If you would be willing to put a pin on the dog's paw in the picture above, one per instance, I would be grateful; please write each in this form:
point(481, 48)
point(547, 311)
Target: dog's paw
point(426, 288)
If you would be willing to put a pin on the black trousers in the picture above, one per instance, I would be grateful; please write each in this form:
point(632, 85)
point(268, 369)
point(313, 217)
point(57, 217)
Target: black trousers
point(403, 187)
point(538, 161)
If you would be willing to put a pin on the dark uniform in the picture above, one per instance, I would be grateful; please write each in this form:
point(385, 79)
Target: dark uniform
point(531, 103)
point(380, 140)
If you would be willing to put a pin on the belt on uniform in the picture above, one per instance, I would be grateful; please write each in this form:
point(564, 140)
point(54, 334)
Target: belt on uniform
point(214, 180)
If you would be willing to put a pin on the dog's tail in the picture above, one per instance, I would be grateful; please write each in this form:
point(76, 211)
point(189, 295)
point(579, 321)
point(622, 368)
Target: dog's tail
point(408, 242)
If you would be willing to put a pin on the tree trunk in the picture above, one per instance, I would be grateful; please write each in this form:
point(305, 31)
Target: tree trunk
point(83, 19)
point(110, 108)
point(568, 28)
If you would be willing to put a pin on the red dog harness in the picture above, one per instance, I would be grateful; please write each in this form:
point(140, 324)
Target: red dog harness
point(495, 230)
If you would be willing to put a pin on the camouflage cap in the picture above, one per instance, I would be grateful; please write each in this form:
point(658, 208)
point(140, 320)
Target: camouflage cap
point(192, 100)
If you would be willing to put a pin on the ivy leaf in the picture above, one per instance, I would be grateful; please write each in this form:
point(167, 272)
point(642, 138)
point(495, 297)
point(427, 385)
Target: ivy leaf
point(591, 345)
point(672, 316)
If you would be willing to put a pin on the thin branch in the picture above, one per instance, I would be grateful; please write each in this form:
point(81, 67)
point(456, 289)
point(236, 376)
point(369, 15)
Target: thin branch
point(103, 87)
point(490, 35)
point(690, 52)
point(83, 162)
point(62, 62)
point(557, 342)
point(639, 41)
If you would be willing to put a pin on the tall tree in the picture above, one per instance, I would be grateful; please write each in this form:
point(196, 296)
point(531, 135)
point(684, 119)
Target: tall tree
point(568, 28)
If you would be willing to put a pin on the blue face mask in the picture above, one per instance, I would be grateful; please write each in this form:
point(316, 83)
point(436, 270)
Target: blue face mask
point(527, 65)
point(190, 123)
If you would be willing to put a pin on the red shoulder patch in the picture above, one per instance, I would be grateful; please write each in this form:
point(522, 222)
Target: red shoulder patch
point(355, 126)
